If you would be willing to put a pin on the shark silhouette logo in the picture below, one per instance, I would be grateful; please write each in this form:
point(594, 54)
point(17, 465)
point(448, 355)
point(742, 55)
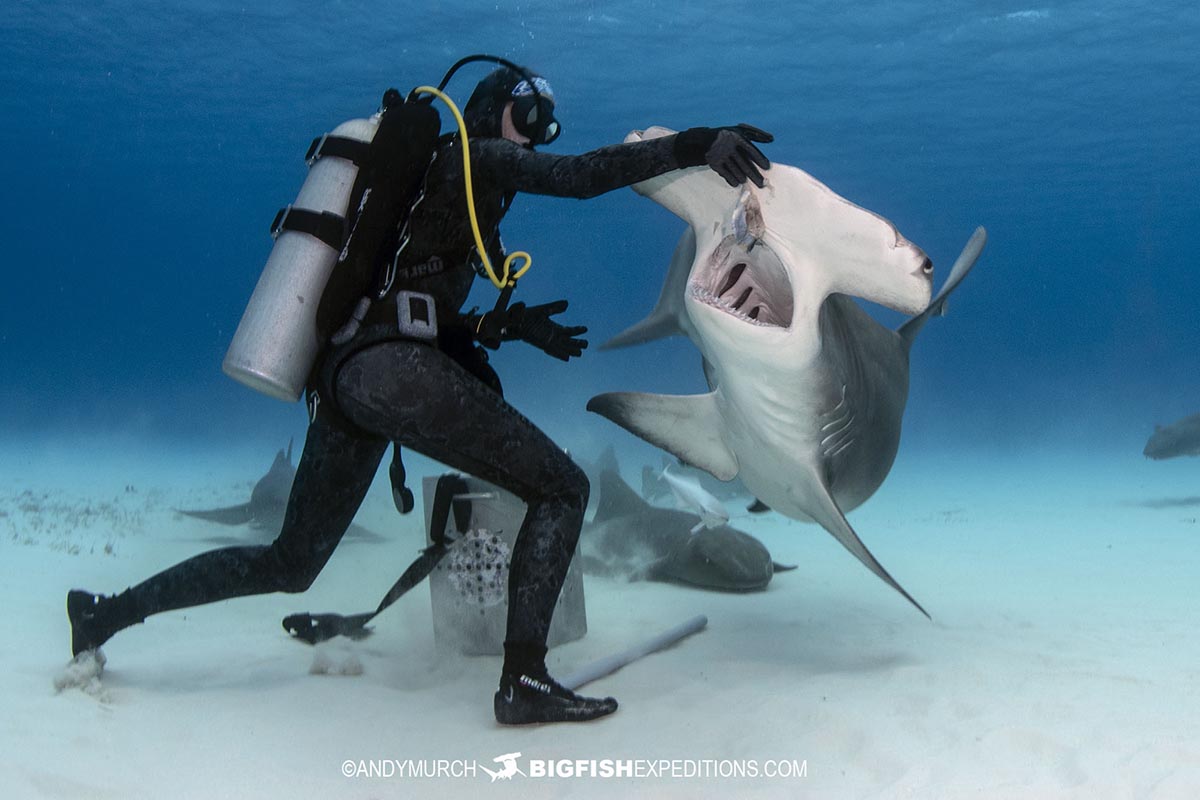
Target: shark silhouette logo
point(508, 768)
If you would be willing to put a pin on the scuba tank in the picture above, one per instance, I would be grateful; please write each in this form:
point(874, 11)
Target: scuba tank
point(322, 262)
point(378, 162)
point(276, 341)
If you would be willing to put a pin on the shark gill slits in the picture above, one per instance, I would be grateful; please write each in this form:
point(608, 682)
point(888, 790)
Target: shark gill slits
point(841, 447)
point(741, 301)
point(734, 274)
point(754, 312)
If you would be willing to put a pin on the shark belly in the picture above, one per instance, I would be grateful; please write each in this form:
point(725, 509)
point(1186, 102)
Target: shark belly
point(769, 429)
point(821, 420)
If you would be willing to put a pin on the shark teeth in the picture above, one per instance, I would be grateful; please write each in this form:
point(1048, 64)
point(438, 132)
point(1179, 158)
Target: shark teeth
point(707, 297)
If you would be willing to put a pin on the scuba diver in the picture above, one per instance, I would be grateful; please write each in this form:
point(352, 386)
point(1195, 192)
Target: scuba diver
point(417, 377)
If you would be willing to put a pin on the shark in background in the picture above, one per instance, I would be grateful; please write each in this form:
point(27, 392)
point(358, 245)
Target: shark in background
point(1180, 438)
point(268, 499)
point(264, 511)
point(807, 391)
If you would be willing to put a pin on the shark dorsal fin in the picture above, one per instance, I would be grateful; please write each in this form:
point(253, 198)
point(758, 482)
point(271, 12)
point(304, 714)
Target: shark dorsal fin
point(608, 460)
point(668, 317)
point(710, 374)
point(617, 498)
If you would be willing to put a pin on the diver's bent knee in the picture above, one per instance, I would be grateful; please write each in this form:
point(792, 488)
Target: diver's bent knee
point(585, 489)
point(560, 483)
point(574, 486)
point(292, 576)
point(297, 584)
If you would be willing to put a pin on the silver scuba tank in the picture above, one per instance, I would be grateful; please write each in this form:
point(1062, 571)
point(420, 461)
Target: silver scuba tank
point(276, 342)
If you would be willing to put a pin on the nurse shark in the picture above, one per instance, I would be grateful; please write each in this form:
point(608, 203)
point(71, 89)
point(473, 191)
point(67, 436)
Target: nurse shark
point(807, 391)
point(630, 539)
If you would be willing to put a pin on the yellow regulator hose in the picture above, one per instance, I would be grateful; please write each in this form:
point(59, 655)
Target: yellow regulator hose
point(507, 278)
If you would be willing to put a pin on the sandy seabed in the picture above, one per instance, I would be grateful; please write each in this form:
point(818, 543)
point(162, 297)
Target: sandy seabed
point(1063, 659)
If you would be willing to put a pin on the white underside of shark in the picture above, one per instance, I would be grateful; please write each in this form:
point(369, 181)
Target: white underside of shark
point(807, 390)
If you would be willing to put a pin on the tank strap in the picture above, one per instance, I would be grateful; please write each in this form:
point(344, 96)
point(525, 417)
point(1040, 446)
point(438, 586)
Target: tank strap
point(354, 150)
point(328, 227)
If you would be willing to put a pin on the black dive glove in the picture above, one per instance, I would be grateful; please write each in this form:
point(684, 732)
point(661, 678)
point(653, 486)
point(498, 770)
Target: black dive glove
point(531, 324)
point(730, 151)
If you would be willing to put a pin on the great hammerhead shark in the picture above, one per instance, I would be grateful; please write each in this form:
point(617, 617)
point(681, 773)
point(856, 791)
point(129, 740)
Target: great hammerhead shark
point(807, 391)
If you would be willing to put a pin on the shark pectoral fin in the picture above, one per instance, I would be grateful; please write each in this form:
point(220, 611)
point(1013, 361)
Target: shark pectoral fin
point(667, 318)
point(758, 507)
point(827, 514)
point(966, 260)
point(233, 515)
point(687, 427)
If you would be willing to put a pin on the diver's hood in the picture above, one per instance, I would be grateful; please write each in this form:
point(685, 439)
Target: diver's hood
point(485, 108)
point(483, 111)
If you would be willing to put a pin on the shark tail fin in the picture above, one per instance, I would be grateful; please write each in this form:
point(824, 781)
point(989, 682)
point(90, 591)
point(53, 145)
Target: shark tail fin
point(687, 427)
point(830, 517)
point(667, 318)
point(937, 307)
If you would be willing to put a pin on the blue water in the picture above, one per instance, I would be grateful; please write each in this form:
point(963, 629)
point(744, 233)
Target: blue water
point(147, 146)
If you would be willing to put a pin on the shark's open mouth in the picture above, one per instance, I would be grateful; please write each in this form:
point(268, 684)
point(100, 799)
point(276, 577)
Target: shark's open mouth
point(746, 281)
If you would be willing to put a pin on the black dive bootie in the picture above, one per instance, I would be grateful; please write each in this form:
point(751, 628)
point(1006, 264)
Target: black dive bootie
point(95, 618)
point(524, 699)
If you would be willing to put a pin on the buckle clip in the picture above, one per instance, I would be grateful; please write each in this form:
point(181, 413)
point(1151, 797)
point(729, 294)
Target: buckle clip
point(314, 149)
point(277, 225)
point(416, 315)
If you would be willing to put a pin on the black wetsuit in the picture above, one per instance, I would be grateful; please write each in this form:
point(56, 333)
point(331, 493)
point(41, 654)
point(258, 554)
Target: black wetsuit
point(442, 401)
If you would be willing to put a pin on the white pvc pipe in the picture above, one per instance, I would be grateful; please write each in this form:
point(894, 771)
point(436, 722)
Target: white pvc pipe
point(609, 664)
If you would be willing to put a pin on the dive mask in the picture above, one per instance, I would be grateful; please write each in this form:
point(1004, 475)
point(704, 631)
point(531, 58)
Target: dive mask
point(533, 111)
